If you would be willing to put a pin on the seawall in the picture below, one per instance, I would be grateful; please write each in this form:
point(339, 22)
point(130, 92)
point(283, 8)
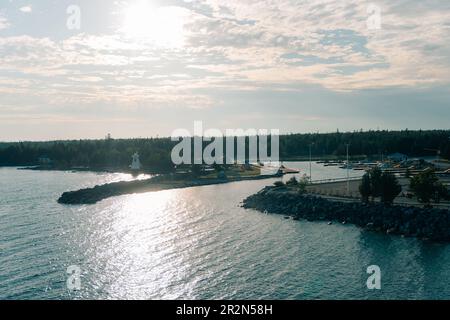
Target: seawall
point(423, 223)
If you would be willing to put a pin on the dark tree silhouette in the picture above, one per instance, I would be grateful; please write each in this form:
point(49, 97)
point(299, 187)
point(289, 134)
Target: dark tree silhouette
point(365, 188)
point(375, 182)
point(390, 188)
point(427, 187)
point(155, 152)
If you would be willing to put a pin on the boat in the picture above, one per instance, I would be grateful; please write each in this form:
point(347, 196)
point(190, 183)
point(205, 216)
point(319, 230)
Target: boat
point(331, 164)
point(346, 166)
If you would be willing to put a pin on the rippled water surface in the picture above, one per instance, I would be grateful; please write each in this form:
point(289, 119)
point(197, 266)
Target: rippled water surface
point(195, 243)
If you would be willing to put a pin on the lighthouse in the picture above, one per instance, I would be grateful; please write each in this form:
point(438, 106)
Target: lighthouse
point(136, 163)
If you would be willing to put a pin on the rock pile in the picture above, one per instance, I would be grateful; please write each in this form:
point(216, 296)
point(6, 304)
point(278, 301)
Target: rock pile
point(424, 223)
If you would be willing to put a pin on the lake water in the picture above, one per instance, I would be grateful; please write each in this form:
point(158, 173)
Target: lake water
point(195, 243)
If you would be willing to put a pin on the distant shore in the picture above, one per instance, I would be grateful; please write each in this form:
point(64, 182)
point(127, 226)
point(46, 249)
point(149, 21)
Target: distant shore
point(90, 169)
point(155, 170)
point(423, 223)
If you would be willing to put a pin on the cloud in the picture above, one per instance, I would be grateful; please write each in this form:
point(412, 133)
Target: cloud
point(325, 42)
point(88, 70)
point(4, 24)
point(333, 45)
point(26, 9)
point(245, 46)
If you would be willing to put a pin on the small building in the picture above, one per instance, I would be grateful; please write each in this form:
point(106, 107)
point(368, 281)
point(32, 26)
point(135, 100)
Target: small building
point(398, 157)
point(45, 161)
point(136, 163)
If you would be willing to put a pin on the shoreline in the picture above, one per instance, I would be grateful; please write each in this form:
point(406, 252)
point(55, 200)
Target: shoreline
point(422, 223)
point(87, 169)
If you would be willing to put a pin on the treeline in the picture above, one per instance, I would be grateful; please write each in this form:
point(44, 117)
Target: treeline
point(370, 143)
point(155, 153)
point(95, 154)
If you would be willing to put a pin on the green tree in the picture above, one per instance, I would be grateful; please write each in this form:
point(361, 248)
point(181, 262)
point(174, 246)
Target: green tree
point(292, 182)
point(390, 188)
point(424, 186)
point(440, 192)
point(278, 184)
point(365, 188)
point(302, 184)
point(375, 181)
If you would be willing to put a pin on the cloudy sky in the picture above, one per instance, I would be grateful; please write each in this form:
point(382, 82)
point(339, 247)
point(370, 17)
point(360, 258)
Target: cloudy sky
point(82, 69)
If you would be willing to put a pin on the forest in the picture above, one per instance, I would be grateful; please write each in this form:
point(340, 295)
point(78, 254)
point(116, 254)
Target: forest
point(155, 153)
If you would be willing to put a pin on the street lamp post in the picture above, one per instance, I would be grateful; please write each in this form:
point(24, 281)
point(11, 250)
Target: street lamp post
point(310, 162)
point(348, 172)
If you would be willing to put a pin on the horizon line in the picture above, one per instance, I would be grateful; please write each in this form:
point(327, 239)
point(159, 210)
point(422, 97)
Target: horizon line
point(223, 136)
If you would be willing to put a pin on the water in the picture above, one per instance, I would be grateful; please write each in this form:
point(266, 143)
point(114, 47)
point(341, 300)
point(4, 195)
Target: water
point(195, 243)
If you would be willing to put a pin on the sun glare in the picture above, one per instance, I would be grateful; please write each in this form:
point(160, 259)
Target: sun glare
point(162, 26)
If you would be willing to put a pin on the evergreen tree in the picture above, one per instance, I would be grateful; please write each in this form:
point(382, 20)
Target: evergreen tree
point(365, 188)
point(375, 181)
point(424, 186)
point(390, 188)
point(427, 187)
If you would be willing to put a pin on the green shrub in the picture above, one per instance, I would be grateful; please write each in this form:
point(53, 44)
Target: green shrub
point(278, 184)
point(302, 184)
point(292, 182)
point(424, 185)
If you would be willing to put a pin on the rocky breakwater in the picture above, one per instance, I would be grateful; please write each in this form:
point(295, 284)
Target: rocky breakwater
point(424, 223)
point(158, 183)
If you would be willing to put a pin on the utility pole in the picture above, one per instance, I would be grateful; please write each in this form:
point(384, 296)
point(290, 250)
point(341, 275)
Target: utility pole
point(310, 160)
point(348, 172)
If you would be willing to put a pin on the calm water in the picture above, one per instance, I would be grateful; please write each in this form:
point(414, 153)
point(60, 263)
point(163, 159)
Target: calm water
point(195, 243)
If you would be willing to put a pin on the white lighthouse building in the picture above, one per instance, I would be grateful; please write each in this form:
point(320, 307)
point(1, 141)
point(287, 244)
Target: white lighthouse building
point(136, 163)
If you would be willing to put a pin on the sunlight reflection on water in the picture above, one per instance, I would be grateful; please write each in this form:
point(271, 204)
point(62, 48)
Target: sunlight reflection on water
point(194, 243)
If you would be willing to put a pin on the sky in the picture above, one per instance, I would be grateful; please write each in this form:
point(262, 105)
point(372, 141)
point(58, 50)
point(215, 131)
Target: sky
point(83, 69)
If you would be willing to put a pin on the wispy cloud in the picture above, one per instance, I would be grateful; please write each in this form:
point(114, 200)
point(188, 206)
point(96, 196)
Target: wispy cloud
point(321, 42)
point(3, 22)
point(234, 46)
point(26, 9)
point(333, 46)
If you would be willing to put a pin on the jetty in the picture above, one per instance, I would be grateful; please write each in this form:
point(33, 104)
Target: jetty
point(158, 183)
point(423, 223)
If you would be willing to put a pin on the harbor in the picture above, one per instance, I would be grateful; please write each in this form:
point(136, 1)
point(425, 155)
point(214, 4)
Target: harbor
point(347, 189)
